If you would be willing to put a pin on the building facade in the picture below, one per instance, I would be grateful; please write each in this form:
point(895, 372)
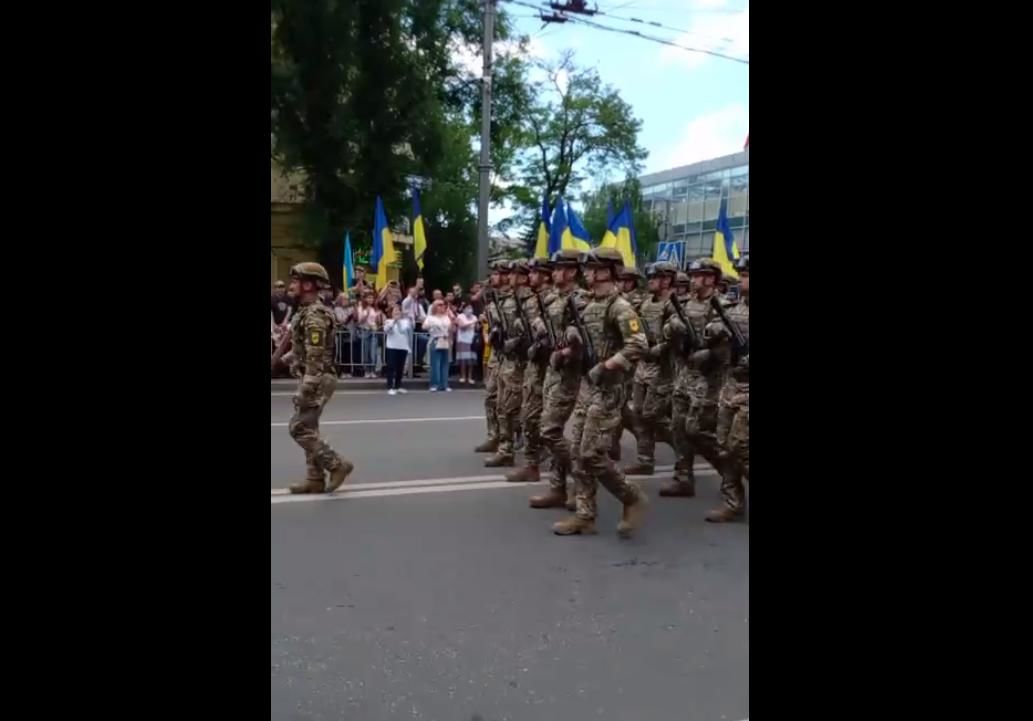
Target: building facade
point(686, 200)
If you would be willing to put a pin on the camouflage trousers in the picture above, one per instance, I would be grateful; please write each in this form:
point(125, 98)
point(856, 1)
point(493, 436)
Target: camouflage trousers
point(651, 400)
point(684, 455)
point(320, 458)
point(561, 393)
point(602, 417)
point(531, 409)
point(627, 414)
point(491, 400)
point(510, 380)
point(733, 438)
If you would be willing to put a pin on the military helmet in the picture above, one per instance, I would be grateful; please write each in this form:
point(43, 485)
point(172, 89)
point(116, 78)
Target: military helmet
point(681, 279)
point(565, 258)
point(311, 271)
point(519, 266)
point(743, 264)
point(661, 268)
point(542, 265)
point(608, 257)
point(630, 274)
point(705, 265)
point(501, 266)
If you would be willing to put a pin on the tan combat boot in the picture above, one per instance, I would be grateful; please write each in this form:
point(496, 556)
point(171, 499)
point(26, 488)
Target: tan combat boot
point(489, 445)
point(678, 488)
point(555, 498)
point(638, 469)
point(497, 461)
point(572, 525)
point(631, 516)
point(724, 514)
point(338, 475)
point(309, 486)
point(525, 474)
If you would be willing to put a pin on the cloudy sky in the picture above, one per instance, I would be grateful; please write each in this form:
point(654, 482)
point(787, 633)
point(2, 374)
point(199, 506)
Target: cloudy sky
point(692, 106)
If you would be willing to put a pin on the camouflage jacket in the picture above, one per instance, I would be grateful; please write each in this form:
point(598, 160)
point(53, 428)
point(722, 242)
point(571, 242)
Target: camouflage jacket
point(615, 330)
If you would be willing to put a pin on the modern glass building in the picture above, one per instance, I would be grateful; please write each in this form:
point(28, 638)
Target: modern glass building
point(687, 199)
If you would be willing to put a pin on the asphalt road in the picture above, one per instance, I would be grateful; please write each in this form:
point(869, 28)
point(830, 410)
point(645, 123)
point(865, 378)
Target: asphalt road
point(429, 590)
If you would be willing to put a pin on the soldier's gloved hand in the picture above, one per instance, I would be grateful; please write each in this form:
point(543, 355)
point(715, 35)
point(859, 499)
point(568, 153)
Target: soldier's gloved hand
point(295, 370)
point(511, 345)
point(656, 351)
point(557, 359)
point(532, 351)
point(599, 375)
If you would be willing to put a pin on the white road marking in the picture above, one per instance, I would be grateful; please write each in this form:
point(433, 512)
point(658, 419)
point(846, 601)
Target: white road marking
point(388, 420)
point(433, 485)
point(344, 392)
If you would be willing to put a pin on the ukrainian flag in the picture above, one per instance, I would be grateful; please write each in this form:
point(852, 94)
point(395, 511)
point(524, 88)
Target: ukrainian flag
point(621, 235)
point(383, 246)
point(725, 250)
point(558, 227)
point(349, 269)
point(576, 236)
point(541, 248)
point(419, 234)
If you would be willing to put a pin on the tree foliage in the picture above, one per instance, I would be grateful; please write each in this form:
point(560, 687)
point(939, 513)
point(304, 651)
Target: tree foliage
point(647, 225)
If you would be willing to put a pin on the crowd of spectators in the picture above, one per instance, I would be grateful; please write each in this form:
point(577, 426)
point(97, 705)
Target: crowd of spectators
point(378, 330)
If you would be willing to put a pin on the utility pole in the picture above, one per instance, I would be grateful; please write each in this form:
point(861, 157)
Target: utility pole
point(485, 164)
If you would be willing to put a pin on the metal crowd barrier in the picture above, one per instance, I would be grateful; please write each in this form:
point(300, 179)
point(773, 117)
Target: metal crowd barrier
point(360, 351)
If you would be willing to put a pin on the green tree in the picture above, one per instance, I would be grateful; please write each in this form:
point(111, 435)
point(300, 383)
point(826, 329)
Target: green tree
point(367, 95)
point(577, 127)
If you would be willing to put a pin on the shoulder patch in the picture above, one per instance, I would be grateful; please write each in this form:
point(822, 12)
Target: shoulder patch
point(633, 325)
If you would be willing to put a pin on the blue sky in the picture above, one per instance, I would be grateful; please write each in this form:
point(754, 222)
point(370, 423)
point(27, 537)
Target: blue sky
point(692, 106)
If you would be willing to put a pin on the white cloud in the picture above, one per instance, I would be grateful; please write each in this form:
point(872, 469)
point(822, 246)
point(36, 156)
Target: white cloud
point(707, 136)
point(726, 33)
point(468, 57)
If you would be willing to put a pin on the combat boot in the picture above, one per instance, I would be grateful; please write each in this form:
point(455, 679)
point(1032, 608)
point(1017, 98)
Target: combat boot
point(338, 475)
point(555, 498)
point(524, 474)
point(724, 514)
point(309, 486)
point(496, 461)
point(638, 469)
point(678, 488)
point(489, 445)
point(572, 525)
point(571, 498)
point(631, 515)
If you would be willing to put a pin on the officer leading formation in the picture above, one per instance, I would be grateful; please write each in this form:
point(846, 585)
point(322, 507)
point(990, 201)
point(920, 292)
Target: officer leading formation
point(669, 363)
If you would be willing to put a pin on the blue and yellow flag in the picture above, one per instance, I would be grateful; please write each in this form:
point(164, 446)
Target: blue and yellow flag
point(609, 212)
point(576, 236)
point(541, 248)
point(418, 233)
point(621, 235)
point(557, 227)
point(349, 269)
point(383, 246)
point(725, 250)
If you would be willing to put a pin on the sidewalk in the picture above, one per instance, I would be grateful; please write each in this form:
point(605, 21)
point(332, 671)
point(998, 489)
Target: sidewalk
point(379, 384)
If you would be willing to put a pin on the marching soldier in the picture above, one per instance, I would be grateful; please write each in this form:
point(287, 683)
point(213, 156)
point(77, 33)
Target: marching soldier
point(562, 379)
point(616, 337)
point(491, 369)
point(697, 384)
point(514, 362)
point(653, 377)
point(628, 282)
point(313, 341)
point(539, 271)
point(733, 418)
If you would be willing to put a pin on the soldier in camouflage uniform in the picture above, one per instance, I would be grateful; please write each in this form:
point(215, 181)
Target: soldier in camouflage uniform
point(733, 419)
point(514, 363)
point(534, 373)
point(628, 282)
point(313, 340)
point(491, 369)
point(562, 380)
point(697, 382)
point(618, 341)
point(653, 375)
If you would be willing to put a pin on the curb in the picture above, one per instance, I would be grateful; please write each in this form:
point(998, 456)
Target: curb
point(367, 384)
